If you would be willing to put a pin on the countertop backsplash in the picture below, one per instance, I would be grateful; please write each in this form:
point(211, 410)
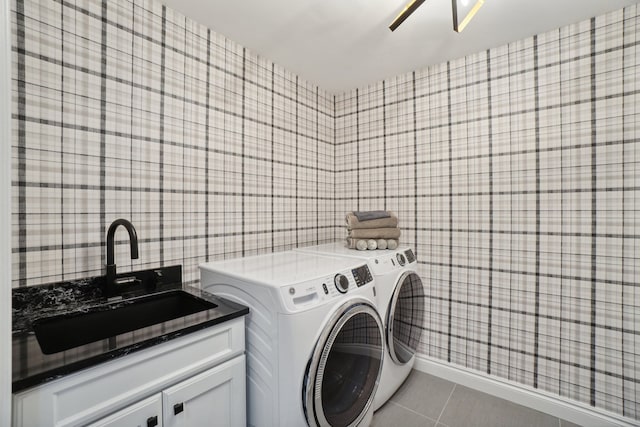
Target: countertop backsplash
point(39, 301)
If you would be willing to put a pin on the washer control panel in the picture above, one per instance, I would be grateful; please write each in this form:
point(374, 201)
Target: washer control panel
point(301, 296)
point(362, 275)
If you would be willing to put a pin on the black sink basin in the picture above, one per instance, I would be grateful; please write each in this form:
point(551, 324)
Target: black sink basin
point(64, 332)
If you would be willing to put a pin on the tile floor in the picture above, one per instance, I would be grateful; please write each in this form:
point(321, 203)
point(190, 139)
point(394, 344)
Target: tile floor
point(427, 401)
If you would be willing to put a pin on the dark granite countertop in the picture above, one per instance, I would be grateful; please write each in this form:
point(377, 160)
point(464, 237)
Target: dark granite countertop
point(32, 367)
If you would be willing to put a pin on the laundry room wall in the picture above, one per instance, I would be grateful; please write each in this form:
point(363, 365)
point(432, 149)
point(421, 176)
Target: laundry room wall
point(515, 173)
point(128, 109)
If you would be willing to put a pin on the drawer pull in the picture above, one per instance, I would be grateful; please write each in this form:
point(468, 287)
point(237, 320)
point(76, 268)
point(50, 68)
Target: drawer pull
point(177, 408)
point(152, 421)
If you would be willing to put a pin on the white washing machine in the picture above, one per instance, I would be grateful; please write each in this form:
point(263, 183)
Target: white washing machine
point(401, 304)
point(315, 343)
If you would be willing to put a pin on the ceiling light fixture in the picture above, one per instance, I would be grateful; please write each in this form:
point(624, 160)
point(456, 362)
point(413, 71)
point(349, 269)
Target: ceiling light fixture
point(467, 13)
point(408, 10)
point(460, 8)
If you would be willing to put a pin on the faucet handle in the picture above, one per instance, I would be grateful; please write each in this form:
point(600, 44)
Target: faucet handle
point(130, 280)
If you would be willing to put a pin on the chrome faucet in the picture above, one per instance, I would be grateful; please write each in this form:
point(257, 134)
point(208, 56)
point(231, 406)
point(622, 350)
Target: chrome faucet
point(110, 285)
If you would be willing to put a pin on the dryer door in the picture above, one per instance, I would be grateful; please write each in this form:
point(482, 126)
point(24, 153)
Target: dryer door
point(343, 372)
point(405, 317)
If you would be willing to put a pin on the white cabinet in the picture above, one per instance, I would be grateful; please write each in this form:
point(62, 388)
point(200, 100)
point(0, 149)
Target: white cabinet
point(204, 370)
point(216, 394)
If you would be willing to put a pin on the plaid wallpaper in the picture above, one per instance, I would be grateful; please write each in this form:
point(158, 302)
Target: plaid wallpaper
point(516, 175)
point(127, 109)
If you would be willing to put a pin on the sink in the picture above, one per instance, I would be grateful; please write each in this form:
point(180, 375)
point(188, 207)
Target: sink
point(67, 331)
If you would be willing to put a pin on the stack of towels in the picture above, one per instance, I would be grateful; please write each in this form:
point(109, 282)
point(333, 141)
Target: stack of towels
point(372, 230)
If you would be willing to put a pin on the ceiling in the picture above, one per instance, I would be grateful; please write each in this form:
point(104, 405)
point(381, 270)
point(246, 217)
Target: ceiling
point(344, 44)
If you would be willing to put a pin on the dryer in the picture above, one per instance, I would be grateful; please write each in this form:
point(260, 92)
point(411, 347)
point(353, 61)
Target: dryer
point(314, 337)
point(401, 304)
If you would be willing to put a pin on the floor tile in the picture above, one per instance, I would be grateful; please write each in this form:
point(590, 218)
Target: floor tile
point(424, 394)
point(564, 423)
point(393, 415)
point(468, 408)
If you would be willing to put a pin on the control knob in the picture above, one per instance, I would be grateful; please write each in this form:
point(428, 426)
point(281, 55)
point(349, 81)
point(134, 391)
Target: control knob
point(401, 259)
point(342, 283)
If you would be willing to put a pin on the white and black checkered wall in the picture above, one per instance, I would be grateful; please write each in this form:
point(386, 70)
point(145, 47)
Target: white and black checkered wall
point(515, 173)
point(127, 109)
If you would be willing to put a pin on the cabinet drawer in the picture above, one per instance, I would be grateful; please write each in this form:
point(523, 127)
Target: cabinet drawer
point(96, 392)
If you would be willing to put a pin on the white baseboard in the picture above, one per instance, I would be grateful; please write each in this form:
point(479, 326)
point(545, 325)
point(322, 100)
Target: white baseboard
point(540, 400)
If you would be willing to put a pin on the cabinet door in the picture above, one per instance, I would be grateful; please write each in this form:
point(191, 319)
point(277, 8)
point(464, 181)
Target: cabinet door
point(214, 397)
point(146, 413)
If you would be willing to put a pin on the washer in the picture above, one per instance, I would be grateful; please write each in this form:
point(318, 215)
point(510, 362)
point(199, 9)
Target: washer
point(401, 304)
point(315, 342)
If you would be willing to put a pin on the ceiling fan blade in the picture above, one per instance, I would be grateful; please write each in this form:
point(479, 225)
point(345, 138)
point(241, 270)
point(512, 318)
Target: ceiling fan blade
point(408, 10)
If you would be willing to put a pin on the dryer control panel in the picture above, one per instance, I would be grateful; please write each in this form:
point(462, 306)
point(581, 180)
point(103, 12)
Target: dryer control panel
point(393, 260)
point(305, 295)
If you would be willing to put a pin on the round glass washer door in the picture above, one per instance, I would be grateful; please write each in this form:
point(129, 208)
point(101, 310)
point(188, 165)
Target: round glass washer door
point(343, 373)
point(405, 318)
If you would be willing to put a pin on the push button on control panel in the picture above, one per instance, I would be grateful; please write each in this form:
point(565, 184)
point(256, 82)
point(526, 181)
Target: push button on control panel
point(324, 288)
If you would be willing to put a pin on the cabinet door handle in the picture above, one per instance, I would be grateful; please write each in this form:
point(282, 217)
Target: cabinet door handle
point(177, 408)
point(152, 421)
